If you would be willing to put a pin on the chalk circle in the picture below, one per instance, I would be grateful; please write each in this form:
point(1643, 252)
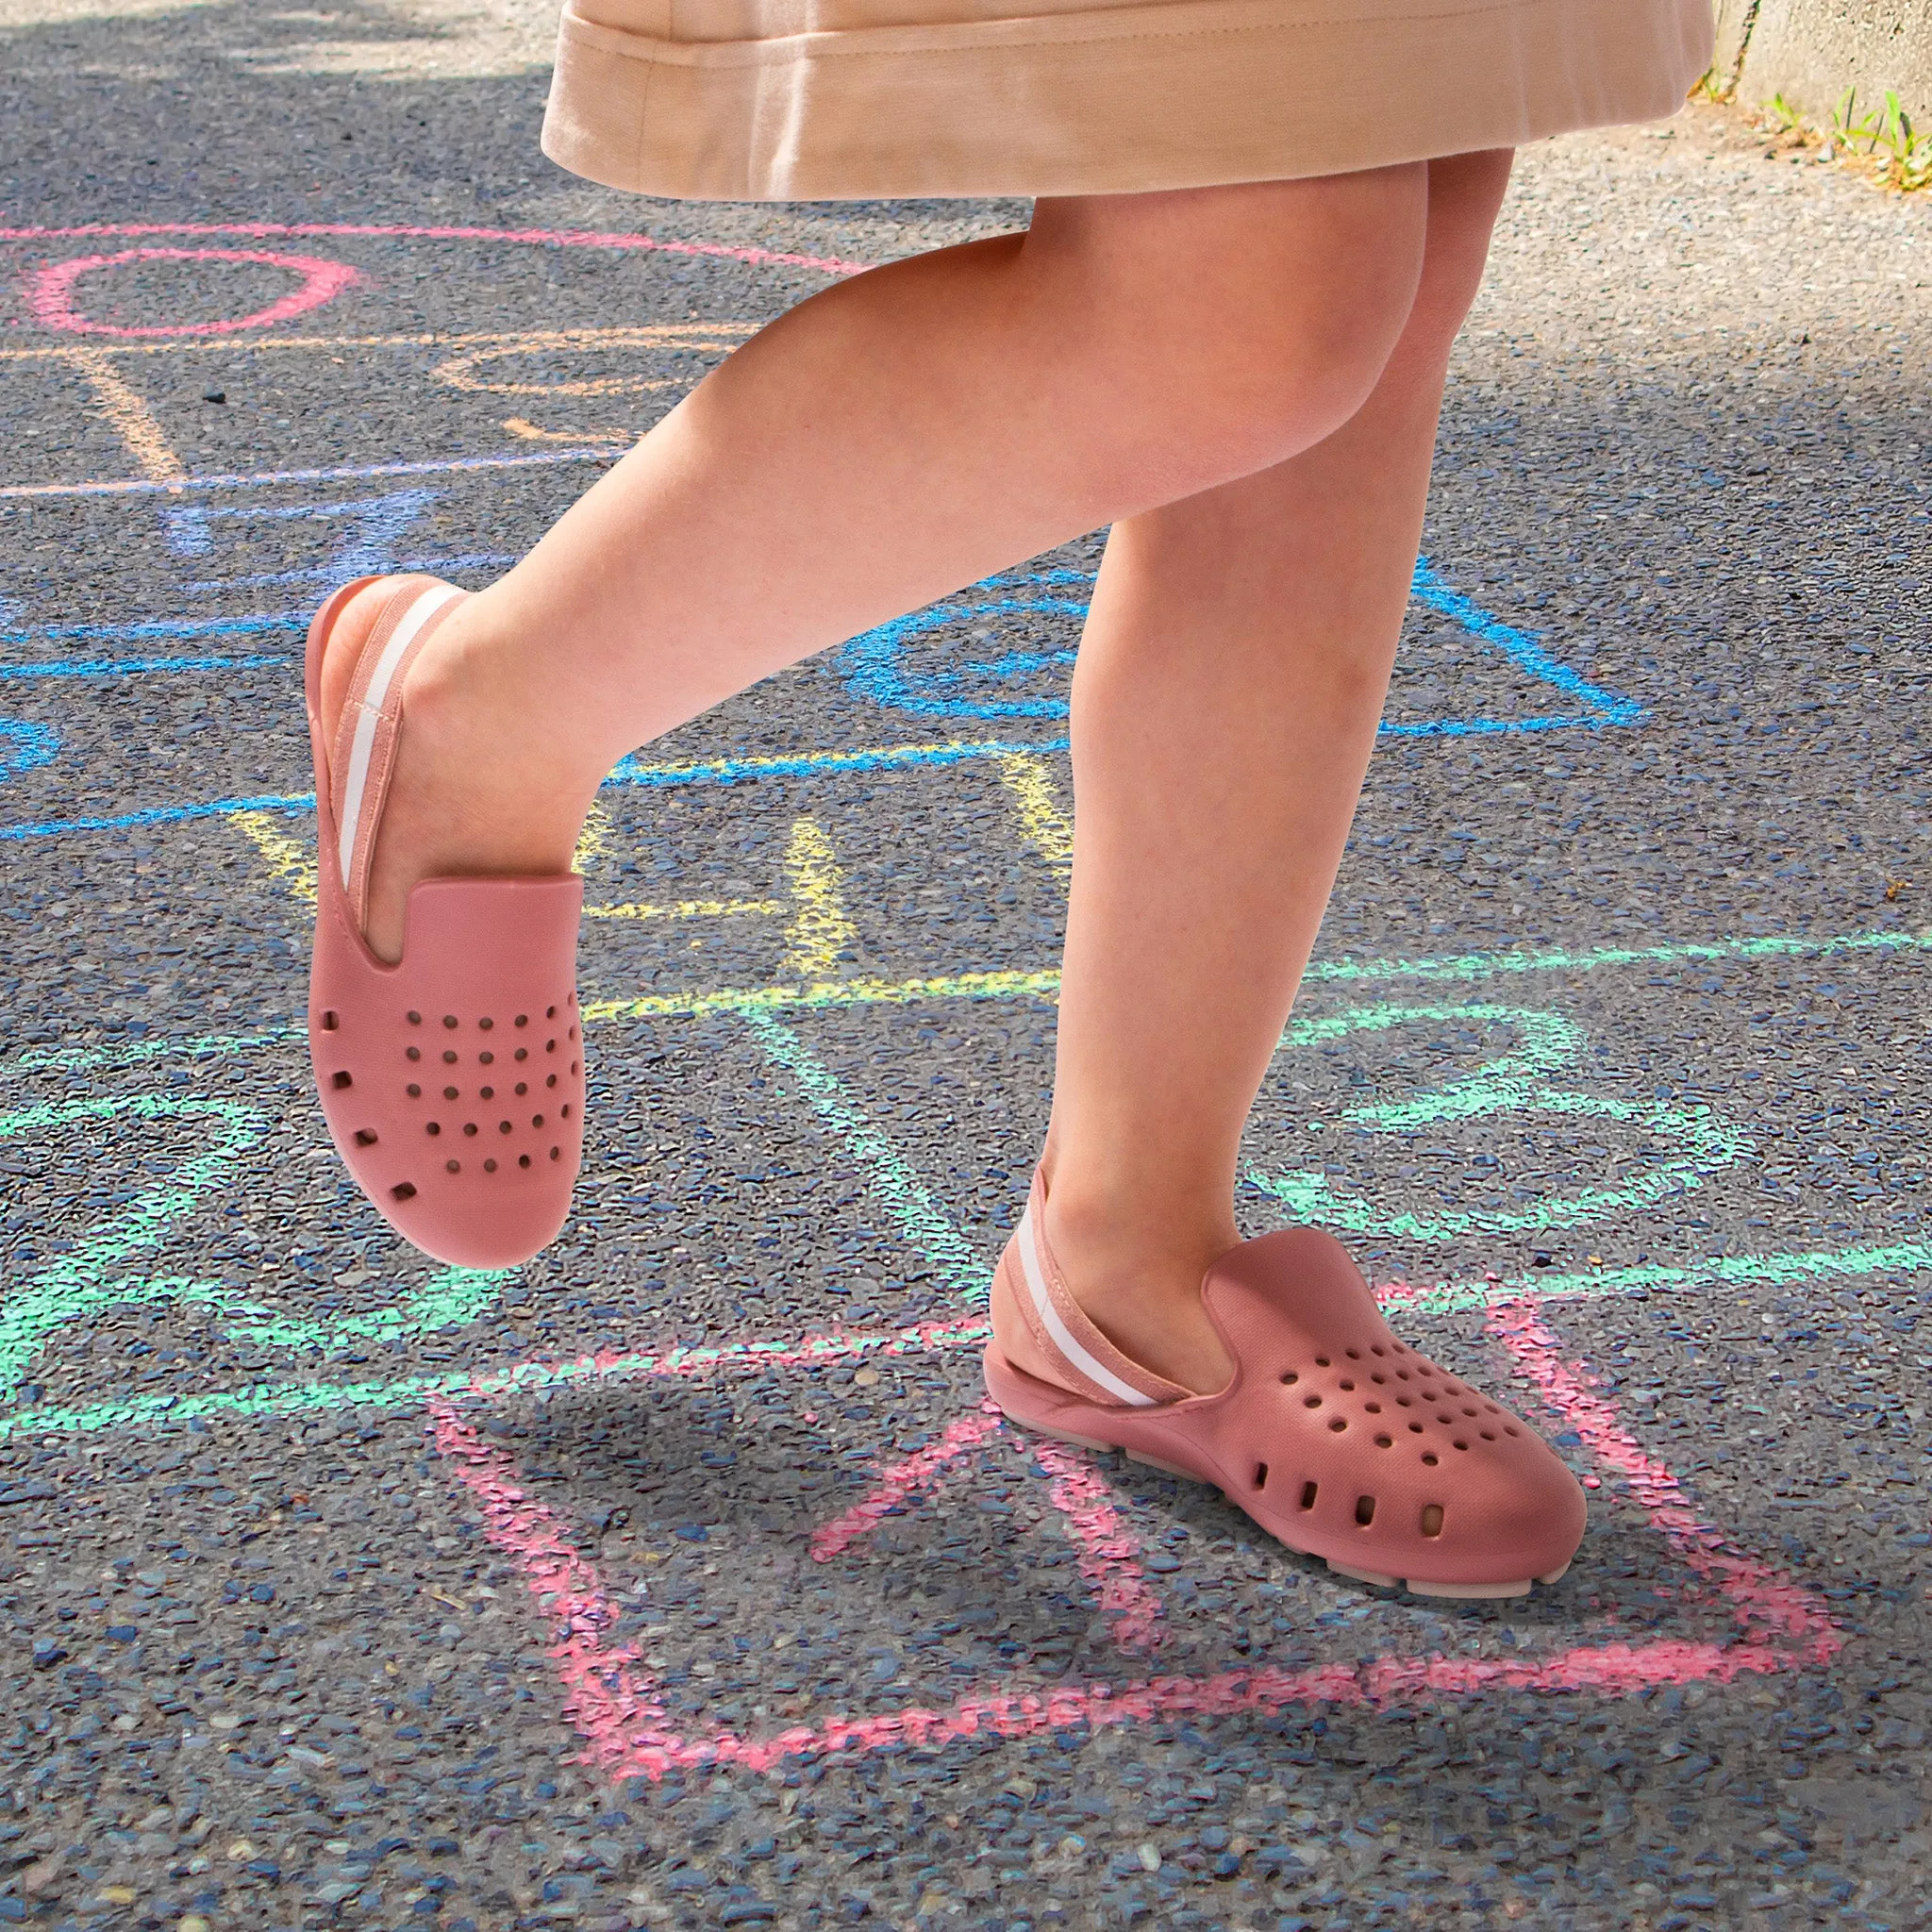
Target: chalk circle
point(50, 290)
point(459, 372)
point(873, 664)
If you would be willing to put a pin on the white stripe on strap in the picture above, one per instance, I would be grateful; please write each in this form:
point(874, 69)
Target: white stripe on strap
point(1042, 1300)
point(405, 634)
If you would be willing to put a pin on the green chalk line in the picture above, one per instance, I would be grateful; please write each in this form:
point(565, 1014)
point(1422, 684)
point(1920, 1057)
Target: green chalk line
point(406, 1392)
point(539, 1378)
point(922, 1221)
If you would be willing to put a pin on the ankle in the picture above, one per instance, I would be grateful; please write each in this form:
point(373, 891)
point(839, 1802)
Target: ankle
point(523, 785)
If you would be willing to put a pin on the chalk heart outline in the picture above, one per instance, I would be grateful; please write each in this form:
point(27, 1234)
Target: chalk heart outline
point(78, 1286)
point(610, 1696)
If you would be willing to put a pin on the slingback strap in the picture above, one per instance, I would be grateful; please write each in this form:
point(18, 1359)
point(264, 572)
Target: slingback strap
point(363, 759)
point(1083, 1359)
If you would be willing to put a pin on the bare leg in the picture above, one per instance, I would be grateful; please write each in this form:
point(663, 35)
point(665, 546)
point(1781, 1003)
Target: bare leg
point(901, 434)
point(1225, 703)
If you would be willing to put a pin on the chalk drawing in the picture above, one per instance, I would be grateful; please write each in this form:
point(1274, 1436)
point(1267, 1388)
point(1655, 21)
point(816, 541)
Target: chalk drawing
point(611, 1696)
point(50, 290)
point(875, 664)
point(25, 745)
point(1513, 1086)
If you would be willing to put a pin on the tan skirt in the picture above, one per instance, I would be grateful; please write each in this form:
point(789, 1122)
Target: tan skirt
point(810, 100)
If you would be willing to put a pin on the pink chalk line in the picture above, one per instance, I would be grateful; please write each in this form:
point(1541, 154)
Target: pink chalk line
point(1760, 1600)
point(548, 237)
point(607, 1694)
point(50, 290)
point(903, 1479)
point(612, 1705)
point(1109, 1552)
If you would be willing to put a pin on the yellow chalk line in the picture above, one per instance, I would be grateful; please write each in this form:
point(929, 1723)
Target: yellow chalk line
point(835, 992)
point(688, 908)
point(1025, 776)
point(711, 335)
point(129, 416)
point(288, 862)
point(820, 929)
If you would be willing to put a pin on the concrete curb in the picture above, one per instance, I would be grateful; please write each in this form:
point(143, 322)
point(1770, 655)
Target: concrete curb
point(1811, 51)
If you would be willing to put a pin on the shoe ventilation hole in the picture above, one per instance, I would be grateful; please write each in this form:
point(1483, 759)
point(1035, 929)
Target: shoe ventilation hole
point(522, 1161)
point(1365, 1510)
point(1261, 1475)
point(487, 1060)
point(1372, 1408)
point(1432, 1519)
point(1311, 1402)
point(415, 1092)
point(536, 1120)
point(1309, 1491)
point(1431, 1460)
point(1488, 1436)
point(1509, 1431)
point(450, 1094)
point(1415, 1429)
point(469, 1127)
point(1460, 1443)
point(523, 1018)
point(550, 1013)
point(1379, 1380)
point(433, 1127)
point(1491, 1409)
point(503, 1126)
point(489, 1166)
point(486, 1093)
point(1385, 1441)
point(454, 1166)
point(1336, 1427)
point(551, 1081)
point(329, 1022)
point(412, 1053)
point(557, 1154)
point(1355, 1354)
point(1347, 1384)
point(341, 1080)
point(414, 1019)
point(564, 1109)
point(449, 1058)
point(364, 1138)
point(1378, 1349)
point(523, 1087)
point(403, 1190)
point(1447, 1420)
point(1289, 1380)
point(486, 1024)
point(1321, 1361)
point(449, 1019)
point(550, 1046)
point(522, 1053)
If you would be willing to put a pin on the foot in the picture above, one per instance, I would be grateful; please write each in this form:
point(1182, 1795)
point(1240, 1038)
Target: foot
point(462, 802)
point(1139, 1283)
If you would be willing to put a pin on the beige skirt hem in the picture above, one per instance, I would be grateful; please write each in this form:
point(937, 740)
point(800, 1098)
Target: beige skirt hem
point(1107, 99)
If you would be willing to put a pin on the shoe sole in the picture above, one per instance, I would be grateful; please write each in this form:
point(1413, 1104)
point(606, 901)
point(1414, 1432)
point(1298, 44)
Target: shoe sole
point(1470, 1592)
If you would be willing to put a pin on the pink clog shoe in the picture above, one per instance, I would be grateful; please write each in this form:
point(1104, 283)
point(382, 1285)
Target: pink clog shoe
point(1336, 1438)
point(452, 1081)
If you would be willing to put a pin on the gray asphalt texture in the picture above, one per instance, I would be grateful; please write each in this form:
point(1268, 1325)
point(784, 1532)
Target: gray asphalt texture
point(338, 1590)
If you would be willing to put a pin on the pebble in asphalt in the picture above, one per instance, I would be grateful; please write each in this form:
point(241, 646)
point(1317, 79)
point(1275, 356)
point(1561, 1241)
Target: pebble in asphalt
point(339, 1590)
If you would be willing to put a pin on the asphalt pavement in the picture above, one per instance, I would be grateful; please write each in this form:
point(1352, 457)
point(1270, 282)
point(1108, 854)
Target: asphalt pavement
point(680, 1578)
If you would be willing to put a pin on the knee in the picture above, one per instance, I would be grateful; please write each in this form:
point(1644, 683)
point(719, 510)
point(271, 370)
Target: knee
point(1229, 327)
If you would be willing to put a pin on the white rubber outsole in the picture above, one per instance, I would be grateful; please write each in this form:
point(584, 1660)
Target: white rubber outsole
point(1468, 1592)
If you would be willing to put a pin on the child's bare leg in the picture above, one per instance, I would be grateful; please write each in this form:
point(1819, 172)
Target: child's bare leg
point(900, 435)
point(1225, 706)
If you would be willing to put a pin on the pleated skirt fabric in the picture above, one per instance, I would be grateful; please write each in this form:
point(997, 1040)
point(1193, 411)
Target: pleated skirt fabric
point(809, 100)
